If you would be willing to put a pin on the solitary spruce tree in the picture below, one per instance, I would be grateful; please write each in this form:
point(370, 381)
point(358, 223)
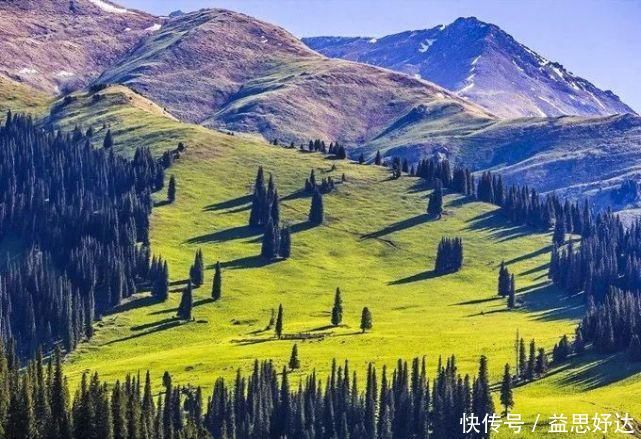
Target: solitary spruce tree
point(337, 309)
point(316, 208)
point(186, 303)
point(378, 160)
point(294, 362)
point(511, 298)
point(507, 399)
point(435, 202)
point(504, 281)
point(171, 189)
point(197, 271)
point(216, 288)
point(366, 319)
point(108, 143)
point(279, 322)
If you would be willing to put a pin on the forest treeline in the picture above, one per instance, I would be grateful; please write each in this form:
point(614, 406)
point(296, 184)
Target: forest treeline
point(74, 229)
point(35, 403)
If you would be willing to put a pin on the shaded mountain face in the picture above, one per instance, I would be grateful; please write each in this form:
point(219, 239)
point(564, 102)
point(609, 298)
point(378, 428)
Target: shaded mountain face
point(230, 71)
point(576, 157)
point(53, 45)
point(482, 63)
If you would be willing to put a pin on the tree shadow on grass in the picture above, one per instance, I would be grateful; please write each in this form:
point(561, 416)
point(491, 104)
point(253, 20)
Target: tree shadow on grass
point(420, 185)
point(161, 203)
point(296, 195)
point(542, 267)
point(429, 274)
point(492, 311)
point(478, 301)
point(161, 326)
point(295, 228)
point(133, 303)
point(530, 255)
point(154, 324)
point(239, 232)
point(174, 310)
point(252, 341)
point(592, 371)
point(498, 226)
point(548, 303)
point(398, 226)
point(234, 202)
point(255, 261)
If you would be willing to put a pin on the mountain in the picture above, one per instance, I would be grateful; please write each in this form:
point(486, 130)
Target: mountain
point(483, 63)
point(230, 71)
point(55, 45)
point(577, 157)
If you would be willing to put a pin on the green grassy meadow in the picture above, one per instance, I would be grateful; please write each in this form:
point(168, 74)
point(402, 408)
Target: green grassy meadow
point(376, 245)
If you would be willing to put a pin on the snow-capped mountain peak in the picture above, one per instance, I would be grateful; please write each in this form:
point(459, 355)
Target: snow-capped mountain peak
point(483, 63)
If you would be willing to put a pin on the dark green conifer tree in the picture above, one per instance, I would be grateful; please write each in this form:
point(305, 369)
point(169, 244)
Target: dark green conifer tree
point(294, 362)
point(507, 398)
point(378, 160)
point(531, 361)
point(119, 412)
point(522, 360)
point(511, 298)
point(285, 250)
point(435, 201)
point(108, 143)
point(504, 281)
point(217, 283)
point(366, 320)
point(559, 232)
point(316, 209)
point(271, 241)
point(186, 303)
point(482, 403)
point(279, 322)
point(337, 309)
point(197, 270)
point(541, 362)
point(258, 200)
point(171, 189)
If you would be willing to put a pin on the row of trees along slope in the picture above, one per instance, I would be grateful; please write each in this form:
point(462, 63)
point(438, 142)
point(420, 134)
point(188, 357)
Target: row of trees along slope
point(266, 403)
point(74, 227)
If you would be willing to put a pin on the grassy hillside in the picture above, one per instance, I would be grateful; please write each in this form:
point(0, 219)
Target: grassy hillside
point(376, 245)
point(21, 99)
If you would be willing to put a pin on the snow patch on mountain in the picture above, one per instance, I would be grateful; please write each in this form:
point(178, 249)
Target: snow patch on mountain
point(425, 45)
point(509, 78)
point(107, 7)
point(28, 71)
point(154, 27)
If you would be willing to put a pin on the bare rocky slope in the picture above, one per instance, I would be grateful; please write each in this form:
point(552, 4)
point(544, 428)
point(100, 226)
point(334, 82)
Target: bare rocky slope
point(483, 63)
point(227, 70)
point(54, 45)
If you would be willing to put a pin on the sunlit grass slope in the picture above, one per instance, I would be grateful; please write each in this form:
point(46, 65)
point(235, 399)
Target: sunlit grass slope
point(376, 245)
point(20, 98)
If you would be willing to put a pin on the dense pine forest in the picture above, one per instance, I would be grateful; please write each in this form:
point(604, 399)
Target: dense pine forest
point(403, 403)
point(74, 224)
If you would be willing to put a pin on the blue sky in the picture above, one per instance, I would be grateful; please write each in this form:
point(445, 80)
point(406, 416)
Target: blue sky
point(598, 40)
